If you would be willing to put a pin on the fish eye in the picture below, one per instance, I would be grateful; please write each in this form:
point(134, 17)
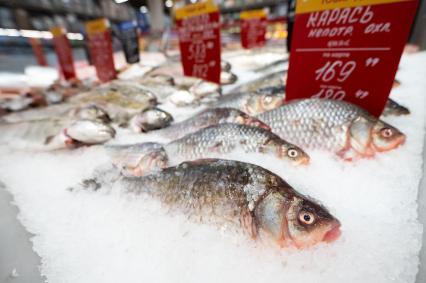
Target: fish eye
point(267, 99)
point(292, 153)
point(306, 217)
point(386, 132)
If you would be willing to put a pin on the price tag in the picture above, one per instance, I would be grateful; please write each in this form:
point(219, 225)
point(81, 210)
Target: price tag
point(100, 48)
point(199, 40)
point(130, 41)
point(253, 28)
point(348, 49)
point(63, 52)
point(38, 51)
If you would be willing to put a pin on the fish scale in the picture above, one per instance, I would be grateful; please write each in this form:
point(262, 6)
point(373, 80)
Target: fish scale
point(220, 139)
point(313, 123)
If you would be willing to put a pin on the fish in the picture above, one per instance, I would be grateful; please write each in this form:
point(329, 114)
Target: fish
point(129, 156)
point(126, 95)
point(332, 125)
point(227, 78)
point(63, 110)
point(253, 103)
point(150, 119)
point(16, 102)
point(209, 117)
point(275, 79)
point(225, 66)
point(217, 141)
point(393, 108)
point(240, 196)
point(51, 134)
point(89, 132)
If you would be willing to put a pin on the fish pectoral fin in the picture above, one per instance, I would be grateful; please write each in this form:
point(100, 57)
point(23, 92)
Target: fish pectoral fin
point(248, 224)
point(348, 154)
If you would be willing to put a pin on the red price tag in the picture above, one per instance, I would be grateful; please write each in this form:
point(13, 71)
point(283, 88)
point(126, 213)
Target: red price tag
point(348, 50)
point(100, 46)
point(199, 40)
point(253, 28)
point(63, 52)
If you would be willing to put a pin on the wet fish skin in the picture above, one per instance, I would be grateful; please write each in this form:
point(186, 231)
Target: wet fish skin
point(150, 119)
point(242, 196)
point(89, 132)
point(271, 80)
point(209, 117)
point(332, 125)
point(91, 112)
point(393, 108)
point(224, 138)
point(214, 141)
point(254, 103)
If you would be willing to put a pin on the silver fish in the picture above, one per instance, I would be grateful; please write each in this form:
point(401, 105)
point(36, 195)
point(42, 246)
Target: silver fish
point(254, 103)
point(216, 141)
point(150, 119)
point(227, 78)
point(333, 125)
point(272, 80)
point(393, 108)
point(242, 196)
point(89, 132)
point(207, 118)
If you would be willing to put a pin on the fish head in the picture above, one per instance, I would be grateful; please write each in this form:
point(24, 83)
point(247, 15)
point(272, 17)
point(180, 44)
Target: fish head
point(150, 119)
point(296, 221)
point(242, 118)
point(286, 151)
point(149, 163)
point(308, 223)
point(385, 137)
point(93, 112)
point(89, 132)
point(261, 102)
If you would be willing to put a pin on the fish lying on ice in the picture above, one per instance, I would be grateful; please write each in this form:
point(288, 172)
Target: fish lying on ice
point(240, 196)
point(333, 125)
point(57, 133)
point(213, 141)
point(209, 117)
point(271, 80)
point(61, 111)
point(150, 119)
point(120, 99)
point(393, 108)
point(254, 103)
point(278, 79)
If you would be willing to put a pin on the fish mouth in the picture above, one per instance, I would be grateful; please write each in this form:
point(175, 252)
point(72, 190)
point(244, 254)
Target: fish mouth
point(333, 234)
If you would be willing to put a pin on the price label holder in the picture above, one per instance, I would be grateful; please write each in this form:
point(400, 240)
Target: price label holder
point(38, 51)
point(253, 28)
point(199, 40)
point(348, 50)
point(130, 41)
point(63, 52)
point(100, 48)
